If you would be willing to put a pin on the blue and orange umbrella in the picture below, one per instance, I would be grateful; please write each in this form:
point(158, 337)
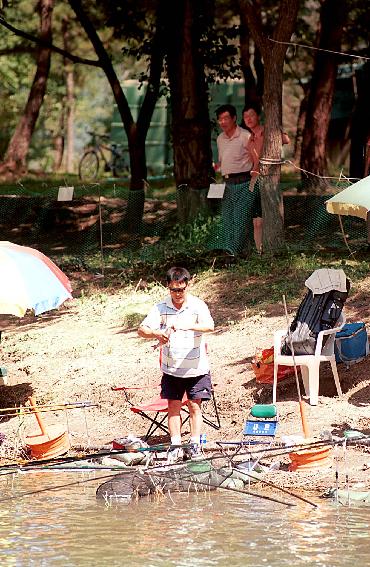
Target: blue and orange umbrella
point(30, 280)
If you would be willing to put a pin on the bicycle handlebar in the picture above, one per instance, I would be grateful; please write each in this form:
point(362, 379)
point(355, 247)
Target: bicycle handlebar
point(101, 136)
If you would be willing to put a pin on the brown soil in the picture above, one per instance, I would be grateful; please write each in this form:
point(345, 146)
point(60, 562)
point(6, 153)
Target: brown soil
point(81, 351)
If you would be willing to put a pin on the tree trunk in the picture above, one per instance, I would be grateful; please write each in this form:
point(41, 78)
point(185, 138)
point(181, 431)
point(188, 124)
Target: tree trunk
point(59, 143)
point(191, 129)
point(273, 227)
point(360, 127)
point(300, 127)
point(14, 163)
point(70, 100)
point(273, 54)
point(320, 100)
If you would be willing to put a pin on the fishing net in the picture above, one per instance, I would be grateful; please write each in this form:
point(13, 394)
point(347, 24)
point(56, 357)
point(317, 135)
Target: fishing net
point(103, 225)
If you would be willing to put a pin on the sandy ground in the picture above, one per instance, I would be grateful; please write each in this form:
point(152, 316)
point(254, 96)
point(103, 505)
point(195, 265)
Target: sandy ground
point(83, 350)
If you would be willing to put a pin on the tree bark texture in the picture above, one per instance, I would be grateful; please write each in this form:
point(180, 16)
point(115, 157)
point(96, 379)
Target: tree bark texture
point(273, 53)
point(320, 100)
point(191, 129)
point(14, 163)
point(300, 127)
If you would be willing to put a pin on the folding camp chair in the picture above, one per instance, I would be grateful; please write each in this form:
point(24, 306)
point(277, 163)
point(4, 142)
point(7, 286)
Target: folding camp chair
point(262, 421)
point(259, 429)
point(159, 407)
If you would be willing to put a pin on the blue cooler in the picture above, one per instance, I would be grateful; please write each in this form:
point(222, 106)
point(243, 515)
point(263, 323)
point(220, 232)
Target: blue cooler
point(351, 343)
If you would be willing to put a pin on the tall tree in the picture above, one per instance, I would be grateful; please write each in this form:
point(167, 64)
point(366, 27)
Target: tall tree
point(273, 49)
point(320, 99)
point(15, 157)
point(187, 22)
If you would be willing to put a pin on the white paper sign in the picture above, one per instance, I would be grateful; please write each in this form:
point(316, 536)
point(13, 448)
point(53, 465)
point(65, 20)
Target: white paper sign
point(65, 193)
point(216, 191)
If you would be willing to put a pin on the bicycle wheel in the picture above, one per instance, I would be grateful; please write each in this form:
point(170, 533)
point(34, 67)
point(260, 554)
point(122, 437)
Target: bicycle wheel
point(120, 167)
point(88, 167)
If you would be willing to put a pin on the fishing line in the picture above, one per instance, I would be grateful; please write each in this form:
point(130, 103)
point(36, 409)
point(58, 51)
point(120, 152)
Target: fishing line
point(280, 488)
point(238, 490)
point(320, 49)
point(50, 488)
point(346, 470)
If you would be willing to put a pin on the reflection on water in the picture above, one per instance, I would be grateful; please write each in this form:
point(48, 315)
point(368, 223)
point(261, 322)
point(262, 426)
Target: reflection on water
point(67, 527)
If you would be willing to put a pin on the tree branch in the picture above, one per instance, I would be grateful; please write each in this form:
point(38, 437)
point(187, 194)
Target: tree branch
point(282, 31)
point(155, 73)
point(20, 48)
point(42, 43)
point(287, 17)
point(253, 16)
point(105, 63)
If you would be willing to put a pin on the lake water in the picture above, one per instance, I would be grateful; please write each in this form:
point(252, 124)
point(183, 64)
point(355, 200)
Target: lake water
point(68, 527)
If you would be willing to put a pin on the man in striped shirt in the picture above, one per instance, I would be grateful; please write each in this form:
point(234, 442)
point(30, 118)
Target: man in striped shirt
point(179, 323)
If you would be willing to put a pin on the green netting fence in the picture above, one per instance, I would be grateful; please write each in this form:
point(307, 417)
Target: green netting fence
point(90, 231)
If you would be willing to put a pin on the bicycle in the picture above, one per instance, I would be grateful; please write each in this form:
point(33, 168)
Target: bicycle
point(93, 157)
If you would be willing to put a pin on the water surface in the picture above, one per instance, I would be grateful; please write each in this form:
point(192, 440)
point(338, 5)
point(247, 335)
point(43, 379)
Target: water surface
point(68, 527)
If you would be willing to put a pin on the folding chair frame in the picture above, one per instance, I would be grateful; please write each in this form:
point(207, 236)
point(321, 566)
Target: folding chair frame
point(158, 422)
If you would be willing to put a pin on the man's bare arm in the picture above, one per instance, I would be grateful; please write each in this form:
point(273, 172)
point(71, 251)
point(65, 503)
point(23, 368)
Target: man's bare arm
point(148, 333)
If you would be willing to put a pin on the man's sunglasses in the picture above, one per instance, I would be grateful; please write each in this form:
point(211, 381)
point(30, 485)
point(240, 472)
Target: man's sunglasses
point(177, 289)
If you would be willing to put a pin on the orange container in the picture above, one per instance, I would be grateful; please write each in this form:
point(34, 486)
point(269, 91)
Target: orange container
point(51, 442)
point(312, 458)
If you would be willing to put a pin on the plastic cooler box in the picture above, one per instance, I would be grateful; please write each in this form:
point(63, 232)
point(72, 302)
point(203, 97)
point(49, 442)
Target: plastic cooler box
point(351, 343)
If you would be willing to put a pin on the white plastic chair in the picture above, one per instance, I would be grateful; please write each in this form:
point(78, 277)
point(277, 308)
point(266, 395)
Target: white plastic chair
point(309, 363)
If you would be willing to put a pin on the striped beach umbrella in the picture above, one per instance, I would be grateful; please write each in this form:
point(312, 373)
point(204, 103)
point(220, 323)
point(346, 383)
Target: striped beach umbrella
point(29, 280)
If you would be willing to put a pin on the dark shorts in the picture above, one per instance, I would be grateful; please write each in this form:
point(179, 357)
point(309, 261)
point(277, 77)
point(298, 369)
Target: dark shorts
point(256, 205)
point(199, 388)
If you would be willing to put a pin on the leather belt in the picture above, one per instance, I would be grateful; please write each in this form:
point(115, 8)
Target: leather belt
point(237, 177)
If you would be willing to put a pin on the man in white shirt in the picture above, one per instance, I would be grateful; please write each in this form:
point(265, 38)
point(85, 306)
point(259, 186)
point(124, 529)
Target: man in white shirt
point(179, 323)
point(235, 162)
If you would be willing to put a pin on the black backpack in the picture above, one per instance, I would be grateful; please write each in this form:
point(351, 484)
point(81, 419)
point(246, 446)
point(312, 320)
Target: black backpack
point(316, 313)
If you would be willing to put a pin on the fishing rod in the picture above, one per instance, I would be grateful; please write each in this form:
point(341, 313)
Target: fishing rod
point(162, 447)
point(25, 410)
point(154, 448)
point(97, 455)
point(61, 486)
point(126, 471)
point(287, 448)
point(67, 468)
point(273, 485)
point(305, 428)
point(268, 483)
